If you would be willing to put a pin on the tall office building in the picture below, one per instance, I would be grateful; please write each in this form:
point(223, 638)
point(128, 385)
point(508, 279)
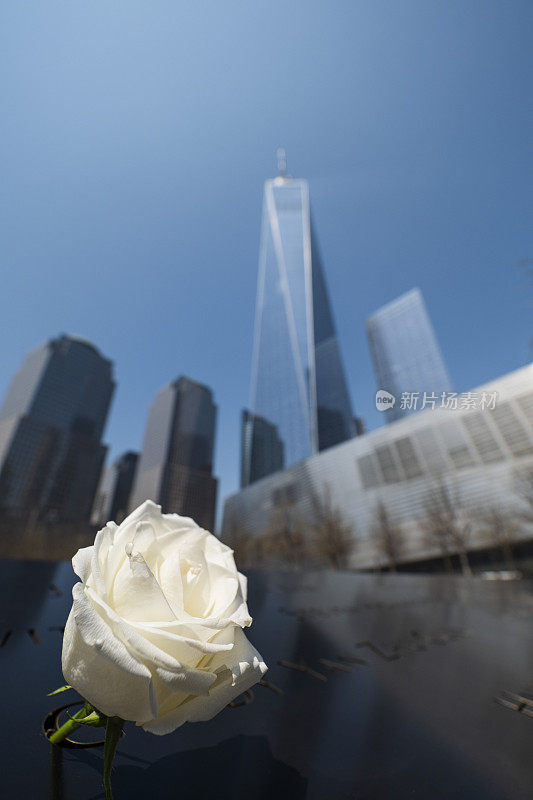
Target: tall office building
point(406, 354)
point(114, 490)
point(261, 448)
point(176, 464)
point(298, 382)
point(51, 424)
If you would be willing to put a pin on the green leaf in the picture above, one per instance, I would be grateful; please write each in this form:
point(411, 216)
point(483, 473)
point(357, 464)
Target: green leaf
point(113, 733)
point(64, 688)
point(94, 720)
point(70, 725)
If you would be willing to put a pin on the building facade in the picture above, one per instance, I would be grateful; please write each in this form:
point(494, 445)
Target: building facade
point(406, 355)
point(176, 464)
point(261, 448)
point(475, 462)
point(298, 385)
point(51, 425)
point(114, 491)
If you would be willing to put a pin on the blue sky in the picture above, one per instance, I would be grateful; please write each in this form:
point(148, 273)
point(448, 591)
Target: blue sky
point(135, 140)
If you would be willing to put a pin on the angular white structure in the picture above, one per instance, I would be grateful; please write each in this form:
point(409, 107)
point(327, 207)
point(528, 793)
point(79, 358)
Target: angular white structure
point(478, 454)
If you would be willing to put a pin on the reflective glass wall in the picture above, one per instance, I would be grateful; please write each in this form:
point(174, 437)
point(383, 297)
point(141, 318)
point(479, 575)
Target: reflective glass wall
point(299, 391)
point(51, 424)
point(176, 463)
point(406, 355)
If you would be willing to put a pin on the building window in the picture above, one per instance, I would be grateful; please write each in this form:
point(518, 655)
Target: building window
point(367, 472)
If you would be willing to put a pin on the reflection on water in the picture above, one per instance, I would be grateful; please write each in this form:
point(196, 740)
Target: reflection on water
point(239, 768)
point(412, 714)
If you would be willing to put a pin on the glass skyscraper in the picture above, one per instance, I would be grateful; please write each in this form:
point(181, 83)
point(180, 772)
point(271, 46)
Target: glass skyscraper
point(405, 352)
point(261, 444)
point(176, 464)
point(51, 424)
point(299, 392)
point(113, 495)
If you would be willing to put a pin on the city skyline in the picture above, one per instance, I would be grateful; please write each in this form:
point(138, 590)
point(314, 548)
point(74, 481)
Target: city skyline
point(394, 310)
point(136, 149)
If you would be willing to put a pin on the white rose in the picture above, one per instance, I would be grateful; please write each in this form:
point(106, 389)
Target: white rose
point(155, 631)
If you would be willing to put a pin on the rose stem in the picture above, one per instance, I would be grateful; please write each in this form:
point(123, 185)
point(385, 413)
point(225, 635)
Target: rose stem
point(69, 726)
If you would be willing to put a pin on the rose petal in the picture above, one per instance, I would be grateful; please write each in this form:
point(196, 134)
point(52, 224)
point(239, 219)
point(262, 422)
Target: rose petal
point(136, 595)
point(171, 639)
point(100, 667)
point(246, 668)
point(172, 672)
point(81, 562)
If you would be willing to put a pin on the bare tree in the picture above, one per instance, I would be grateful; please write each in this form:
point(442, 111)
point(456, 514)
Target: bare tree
point(445, 524)
point(239, 538)
point(284, 537)
point(333, 536)
point(499, 526)
point(502, 524)
point(524, 492)
point(388, 533)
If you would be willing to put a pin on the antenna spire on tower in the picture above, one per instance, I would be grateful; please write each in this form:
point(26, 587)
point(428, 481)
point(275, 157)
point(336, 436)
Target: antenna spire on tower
point(282, 162)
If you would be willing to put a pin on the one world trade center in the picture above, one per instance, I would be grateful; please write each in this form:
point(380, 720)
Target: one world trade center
point(299, 397)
